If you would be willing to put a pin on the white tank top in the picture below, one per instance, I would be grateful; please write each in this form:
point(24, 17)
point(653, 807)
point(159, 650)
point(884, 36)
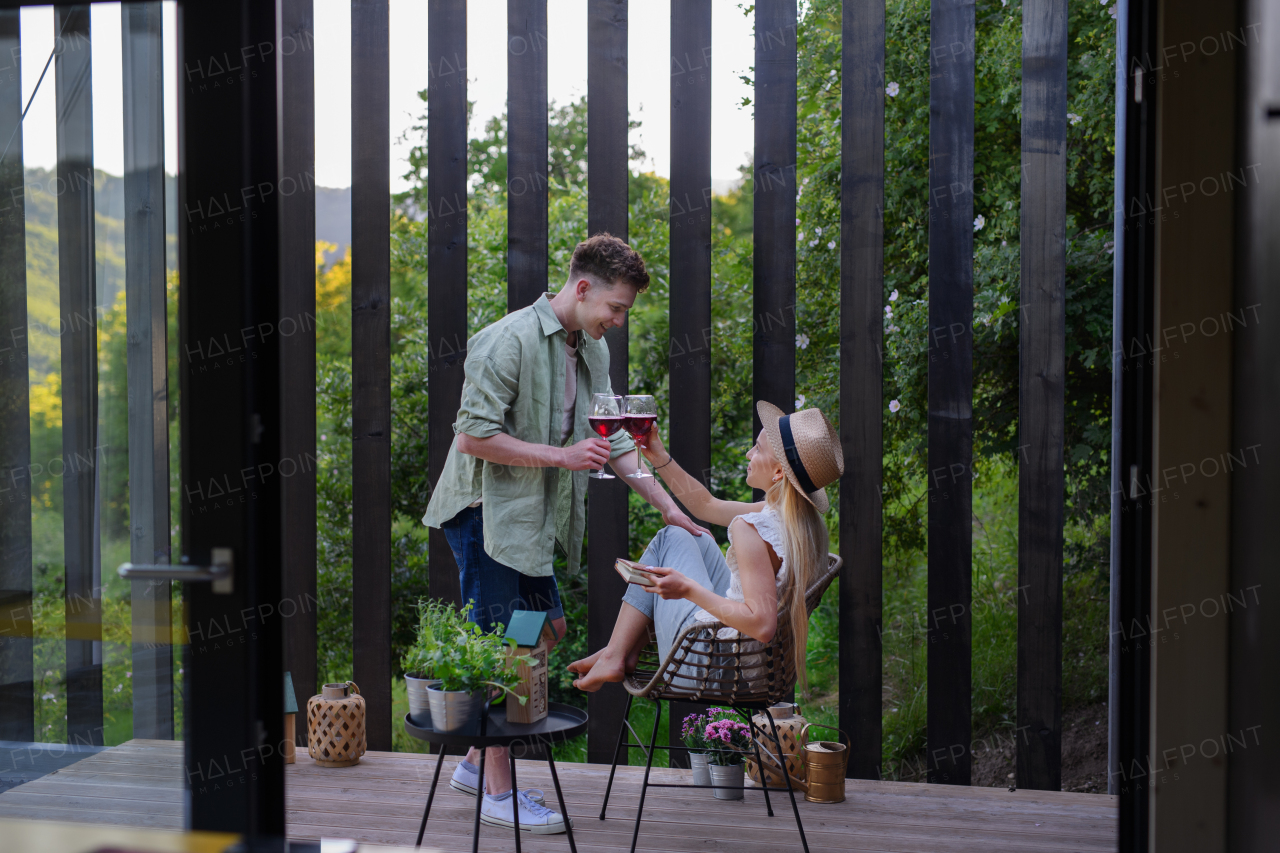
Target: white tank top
point(769, 526)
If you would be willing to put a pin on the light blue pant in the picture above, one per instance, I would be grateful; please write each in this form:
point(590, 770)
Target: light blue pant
point(697, 558)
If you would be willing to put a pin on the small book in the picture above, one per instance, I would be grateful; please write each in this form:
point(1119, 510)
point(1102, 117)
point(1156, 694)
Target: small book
point(633, 572)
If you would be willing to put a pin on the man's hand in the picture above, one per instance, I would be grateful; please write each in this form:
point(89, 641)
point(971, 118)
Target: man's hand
point(673, 515)
point(668, 583)
point(590, 454)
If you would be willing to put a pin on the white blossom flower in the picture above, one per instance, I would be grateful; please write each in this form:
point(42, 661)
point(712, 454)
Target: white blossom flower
point(128, 675)
point(888, 312)
point(48, 697)
point(818, 231)
point(1110, 246)
point(324, 437)
point(893, 295)
point(797, 222)
point(118, 688)
point(831, 245)
point(800, 236)
point(1111, 11)
point(979, 222)
point(892, 90)
point(1004, 242)
point(802, 340)
point(813, 243)
point(48, 673)
point(179, 670)
point(1073, 118)
point(894, 405)
point(800, 402)
point(893, 328)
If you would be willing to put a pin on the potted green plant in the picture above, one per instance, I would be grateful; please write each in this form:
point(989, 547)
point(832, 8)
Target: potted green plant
point(465, 664)
point(729, 740)
point(437, 621)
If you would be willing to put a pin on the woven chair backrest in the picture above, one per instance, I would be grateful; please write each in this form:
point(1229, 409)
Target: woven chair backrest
point(701, 666)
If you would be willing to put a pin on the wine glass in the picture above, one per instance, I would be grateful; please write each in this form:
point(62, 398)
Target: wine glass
point(639, 414)
point(605, 419)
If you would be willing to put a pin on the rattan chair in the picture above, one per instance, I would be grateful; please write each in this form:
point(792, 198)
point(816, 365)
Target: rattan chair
point(731, 672)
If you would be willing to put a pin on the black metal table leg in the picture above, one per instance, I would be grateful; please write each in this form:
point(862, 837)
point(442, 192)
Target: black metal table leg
point(435, 780)
point(564, 812)
point(475, 835)
point(790, 791)
point(622, 733)
point(648, 763)
point(764, 778)
point(515, 797)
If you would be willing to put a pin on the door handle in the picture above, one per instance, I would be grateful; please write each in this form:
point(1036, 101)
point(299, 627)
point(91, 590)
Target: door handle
point(221, 572)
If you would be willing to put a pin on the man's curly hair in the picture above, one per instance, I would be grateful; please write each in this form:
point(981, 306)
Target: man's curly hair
point(609, 261)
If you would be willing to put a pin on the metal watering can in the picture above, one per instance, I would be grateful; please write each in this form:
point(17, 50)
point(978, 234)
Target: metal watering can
point(825, 763)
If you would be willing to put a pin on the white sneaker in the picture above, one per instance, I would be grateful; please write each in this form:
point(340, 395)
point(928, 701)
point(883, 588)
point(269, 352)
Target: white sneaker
point(466, 778)
point(534, 818)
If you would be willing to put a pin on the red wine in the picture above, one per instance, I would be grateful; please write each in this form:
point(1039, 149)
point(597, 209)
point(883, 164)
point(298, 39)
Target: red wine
point(605, 426)
point(638, 425)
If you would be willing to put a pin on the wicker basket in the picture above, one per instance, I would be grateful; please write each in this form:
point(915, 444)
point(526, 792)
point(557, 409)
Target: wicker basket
point(335, 725)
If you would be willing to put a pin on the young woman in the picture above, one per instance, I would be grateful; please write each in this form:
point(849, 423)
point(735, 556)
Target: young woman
point(777, 547)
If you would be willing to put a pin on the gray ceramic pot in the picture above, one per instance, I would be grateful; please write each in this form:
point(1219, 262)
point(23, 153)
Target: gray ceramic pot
point(701, 775)
point(419, 706)
point(732, 775)
point(453, 710)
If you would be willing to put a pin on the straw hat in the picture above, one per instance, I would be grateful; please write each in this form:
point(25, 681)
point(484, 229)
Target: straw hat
point(807, 447)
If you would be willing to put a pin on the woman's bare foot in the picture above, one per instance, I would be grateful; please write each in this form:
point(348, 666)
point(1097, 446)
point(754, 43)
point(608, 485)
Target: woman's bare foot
point(582, 667)
point(606, 667)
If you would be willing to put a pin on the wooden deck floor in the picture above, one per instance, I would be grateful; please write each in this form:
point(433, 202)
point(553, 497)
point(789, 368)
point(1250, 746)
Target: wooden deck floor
point(380, 801)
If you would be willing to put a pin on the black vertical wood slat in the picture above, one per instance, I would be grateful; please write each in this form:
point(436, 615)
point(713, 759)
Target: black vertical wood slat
point(607, 173)
point(371, 363)
point(774, 268)
point(144, 233)
point(689, 350)
point(1041, 412)
point(950, 430)
point(1252, 820)
point(297, 469)
point(230, 431)
point(446, 252)
point(861, 397)
point(526, 152)
point(73, 68)
point(17, 699)
point(1133, 389)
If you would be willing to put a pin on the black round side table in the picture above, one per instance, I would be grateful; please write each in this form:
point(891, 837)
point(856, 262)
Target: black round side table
point(561, 723)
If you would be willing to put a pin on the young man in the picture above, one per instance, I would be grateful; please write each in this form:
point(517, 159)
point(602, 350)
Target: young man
point(503, 500)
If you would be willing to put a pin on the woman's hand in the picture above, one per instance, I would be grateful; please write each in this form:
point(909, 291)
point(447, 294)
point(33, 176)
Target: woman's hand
point(669, 583)
point(651, 446)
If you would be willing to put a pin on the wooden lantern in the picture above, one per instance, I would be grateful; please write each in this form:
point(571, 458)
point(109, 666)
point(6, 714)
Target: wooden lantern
point(533, 634)
point(335, 725)
point(290, 718)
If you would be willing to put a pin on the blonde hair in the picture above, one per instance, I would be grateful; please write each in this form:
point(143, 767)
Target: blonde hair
point(805, 538)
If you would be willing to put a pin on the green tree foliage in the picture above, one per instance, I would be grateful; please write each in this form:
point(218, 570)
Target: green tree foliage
point(997, 201)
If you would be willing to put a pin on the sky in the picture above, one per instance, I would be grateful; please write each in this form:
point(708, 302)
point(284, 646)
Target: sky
point(649, 35)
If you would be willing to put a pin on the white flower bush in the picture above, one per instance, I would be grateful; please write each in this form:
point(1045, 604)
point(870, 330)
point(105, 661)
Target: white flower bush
point(892, 90)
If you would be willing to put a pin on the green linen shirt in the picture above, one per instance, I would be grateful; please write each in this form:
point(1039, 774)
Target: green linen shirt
point(515, 376)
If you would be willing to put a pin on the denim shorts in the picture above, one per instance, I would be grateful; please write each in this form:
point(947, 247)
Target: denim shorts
point(493, 589)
